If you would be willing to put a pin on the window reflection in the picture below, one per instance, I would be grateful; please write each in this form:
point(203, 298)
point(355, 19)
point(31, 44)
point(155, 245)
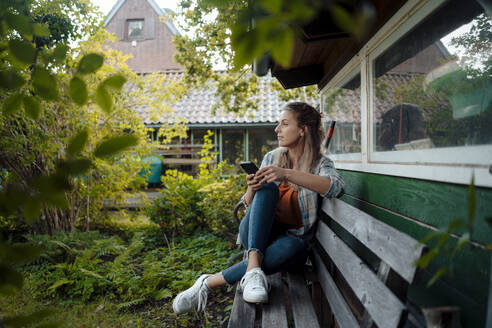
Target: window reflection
point(232, 145)
point(343, 105)
point(135, 29)
point(433, 87)
point(260, 142)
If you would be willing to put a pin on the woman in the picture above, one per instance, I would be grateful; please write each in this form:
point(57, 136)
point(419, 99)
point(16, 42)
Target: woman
point(282, 202)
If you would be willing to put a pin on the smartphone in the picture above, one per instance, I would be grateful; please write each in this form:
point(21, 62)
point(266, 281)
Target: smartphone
point(249, 167)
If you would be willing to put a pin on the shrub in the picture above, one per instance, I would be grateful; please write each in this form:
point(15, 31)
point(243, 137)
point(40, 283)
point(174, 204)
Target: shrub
point(218, 201)
point(87, 266)
point(206, 201)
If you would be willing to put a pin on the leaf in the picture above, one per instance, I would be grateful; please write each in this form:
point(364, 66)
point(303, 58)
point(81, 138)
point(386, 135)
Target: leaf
point(464, 239)
point(22, 50)
point(104, 99)
point(115, 145)
point(60, 283)
point(78, 91)
point(425, 259)
point(273, 6)
point(32, 209)
point(343, 19)
point(31, 107)
point(162, 294)
point(436, 276)
point(11, 80)
point(91, 273)
point(45, 84)
point(60, 52)
point(41, 30)
point(77, 143)
point(20, 23)
point(19, 253)
point(12, 104)
point(115, 82)
point(75, 166)
point(281, 47)
point(9, 278)
point(90, 63)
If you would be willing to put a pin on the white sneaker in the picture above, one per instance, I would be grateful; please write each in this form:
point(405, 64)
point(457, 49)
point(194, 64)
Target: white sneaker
point(255, 286)
point(193, 297)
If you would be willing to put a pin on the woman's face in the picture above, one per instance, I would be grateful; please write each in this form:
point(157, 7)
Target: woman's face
point(288, 132)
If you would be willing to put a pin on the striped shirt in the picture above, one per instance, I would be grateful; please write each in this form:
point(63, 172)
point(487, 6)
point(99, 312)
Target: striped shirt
point(308, 199)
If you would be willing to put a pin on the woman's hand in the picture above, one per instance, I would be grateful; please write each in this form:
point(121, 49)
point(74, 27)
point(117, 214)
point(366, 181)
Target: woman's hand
point(253, 182)
point(271, 173)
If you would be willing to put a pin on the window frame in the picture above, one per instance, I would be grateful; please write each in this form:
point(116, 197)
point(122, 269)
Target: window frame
point(436, 164)
point(127, 30)
point(345, 75)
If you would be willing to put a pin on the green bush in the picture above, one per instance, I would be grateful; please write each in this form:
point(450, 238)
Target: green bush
point(87, 266)
point(206, 201)
point(124, 223)
point(218, 201)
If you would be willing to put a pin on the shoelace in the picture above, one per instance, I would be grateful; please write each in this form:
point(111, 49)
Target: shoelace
point(202, 298)
point(258, 278)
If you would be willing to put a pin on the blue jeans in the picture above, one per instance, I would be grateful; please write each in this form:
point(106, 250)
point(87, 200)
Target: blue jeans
point(260, 231)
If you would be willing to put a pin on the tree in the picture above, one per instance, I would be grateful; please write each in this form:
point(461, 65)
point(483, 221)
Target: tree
point(223, 34)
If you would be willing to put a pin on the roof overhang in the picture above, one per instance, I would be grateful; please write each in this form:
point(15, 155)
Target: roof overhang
point(323, 49)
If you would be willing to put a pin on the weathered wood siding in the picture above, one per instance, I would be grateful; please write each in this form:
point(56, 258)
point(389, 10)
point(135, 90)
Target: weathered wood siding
point(416, 207)
point(153, 53)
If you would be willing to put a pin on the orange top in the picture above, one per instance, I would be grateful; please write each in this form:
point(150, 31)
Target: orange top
point(288, 211)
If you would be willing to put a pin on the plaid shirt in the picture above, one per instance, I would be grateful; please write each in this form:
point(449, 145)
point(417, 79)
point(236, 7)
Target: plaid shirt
point(308, 199)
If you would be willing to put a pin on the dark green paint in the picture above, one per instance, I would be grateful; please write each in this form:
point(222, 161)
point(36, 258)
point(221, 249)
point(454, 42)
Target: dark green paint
point(434, 203)
point(468, 288)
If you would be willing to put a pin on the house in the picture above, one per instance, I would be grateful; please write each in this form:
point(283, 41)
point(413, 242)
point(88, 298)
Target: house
point(414, 103)
point(142, 33)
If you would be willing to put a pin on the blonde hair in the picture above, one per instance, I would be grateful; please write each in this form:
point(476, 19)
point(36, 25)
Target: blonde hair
point(308, 116)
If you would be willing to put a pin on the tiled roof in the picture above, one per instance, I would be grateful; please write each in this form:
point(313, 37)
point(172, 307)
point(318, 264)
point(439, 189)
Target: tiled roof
point(196, 106)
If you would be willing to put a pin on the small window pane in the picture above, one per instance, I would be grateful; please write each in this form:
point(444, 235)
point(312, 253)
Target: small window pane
point(342, 104)
point(260, 142)
point(135, 29)
point(232, 145)
point(433, 87)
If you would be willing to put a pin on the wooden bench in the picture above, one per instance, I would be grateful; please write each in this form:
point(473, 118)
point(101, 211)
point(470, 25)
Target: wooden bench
point(361, 269)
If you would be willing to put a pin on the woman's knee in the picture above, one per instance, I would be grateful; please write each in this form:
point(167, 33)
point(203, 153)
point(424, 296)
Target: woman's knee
point(269, 188)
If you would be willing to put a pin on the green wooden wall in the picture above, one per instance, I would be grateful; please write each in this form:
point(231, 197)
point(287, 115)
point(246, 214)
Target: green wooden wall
point(414, 207)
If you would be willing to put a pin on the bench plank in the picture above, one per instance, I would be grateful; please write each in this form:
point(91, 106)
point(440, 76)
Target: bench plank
point(344, 316)
point(397, 249)
point(242, 314)
point(383, 306)
point(274, 312)
point(302, 306)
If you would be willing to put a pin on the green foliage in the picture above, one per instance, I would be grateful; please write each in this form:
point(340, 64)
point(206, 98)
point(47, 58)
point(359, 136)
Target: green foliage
point(235, 33)
point(208, 200)
point(88, 266)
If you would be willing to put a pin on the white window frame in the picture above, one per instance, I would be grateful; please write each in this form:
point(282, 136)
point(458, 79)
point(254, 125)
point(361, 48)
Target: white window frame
point(345, 75)
point(436, 164)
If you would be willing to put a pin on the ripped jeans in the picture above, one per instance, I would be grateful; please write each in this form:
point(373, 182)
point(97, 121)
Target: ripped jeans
point(260, 231)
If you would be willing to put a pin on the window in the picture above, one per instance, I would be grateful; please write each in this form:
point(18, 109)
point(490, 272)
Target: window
point(432, 88)
point(135, 29)
point(232, 145)
point(260, 142)
point(342, 103)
